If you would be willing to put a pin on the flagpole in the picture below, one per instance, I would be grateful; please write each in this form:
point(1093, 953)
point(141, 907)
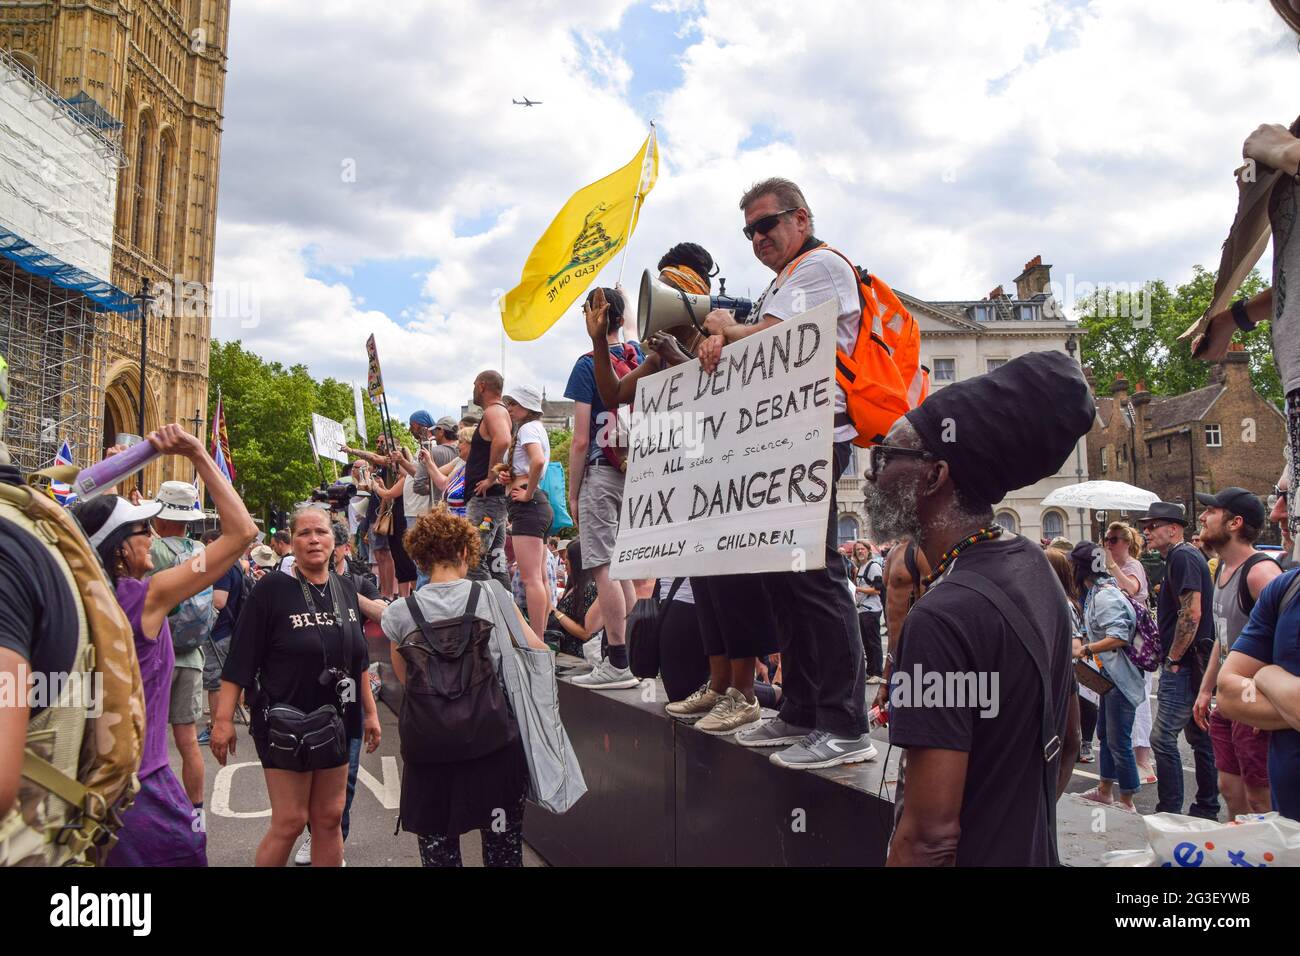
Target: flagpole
point(636, 202)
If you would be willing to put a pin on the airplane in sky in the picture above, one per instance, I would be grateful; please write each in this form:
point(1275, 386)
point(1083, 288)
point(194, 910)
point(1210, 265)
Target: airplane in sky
point(526, 102)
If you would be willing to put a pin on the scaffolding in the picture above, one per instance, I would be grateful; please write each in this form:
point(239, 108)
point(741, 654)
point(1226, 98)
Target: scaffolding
point(47, 336)
point(59, 162)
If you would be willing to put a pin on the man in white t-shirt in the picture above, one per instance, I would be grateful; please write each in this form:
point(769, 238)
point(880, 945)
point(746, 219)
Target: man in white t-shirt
point(823, 718)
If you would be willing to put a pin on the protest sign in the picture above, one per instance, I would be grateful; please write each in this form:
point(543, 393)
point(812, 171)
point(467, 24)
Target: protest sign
point(328, 435)
point(732, 472)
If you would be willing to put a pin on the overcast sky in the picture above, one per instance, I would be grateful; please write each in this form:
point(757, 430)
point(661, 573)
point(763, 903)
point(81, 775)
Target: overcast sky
point(376, 178)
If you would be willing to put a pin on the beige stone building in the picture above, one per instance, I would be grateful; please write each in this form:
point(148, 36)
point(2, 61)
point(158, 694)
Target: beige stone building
point(969, 337)
point(156, 71)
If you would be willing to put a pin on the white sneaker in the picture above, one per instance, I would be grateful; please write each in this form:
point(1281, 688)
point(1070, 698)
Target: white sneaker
point(303, 856)
point(605, 676)
point(591, 651)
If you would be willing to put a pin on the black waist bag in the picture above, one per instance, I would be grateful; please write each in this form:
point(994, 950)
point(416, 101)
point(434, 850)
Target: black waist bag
point(301, 742)
point(455, 706)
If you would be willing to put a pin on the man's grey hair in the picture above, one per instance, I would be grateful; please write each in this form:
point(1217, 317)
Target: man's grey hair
point(788, 195)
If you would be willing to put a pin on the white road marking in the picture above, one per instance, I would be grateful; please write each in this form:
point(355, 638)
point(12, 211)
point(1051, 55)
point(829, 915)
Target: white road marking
point(388, 793)
point(221, 793)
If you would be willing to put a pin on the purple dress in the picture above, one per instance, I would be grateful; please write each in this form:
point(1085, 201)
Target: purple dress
point(162, 828)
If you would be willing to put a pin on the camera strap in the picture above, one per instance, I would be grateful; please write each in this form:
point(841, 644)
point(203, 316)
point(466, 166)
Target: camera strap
point(336, 595)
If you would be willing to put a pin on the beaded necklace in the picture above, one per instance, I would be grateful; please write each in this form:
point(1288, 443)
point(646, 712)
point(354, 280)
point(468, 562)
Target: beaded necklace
point(983, 534)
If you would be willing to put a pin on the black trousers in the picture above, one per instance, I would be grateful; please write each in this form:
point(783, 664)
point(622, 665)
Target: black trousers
point(869, 625)
point(736, 617)
point(824, 680)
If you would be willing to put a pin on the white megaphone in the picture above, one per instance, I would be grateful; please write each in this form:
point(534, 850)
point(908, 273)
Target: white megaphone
point(661, 307)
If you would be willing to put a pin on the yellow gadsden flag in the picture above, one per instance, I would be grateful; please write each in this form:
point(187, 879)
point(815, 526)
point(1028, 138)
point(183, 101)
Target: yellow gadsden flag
point(591, 228)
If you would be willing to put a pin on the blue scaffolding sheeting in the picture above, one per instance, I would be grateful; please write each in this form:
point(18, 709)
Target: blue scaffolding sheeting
point(106, 296)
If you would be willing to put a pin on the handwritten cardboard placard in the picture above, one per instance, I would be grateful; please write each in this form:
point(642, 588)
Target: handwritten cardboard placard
point(731, 473)
point(329, 435)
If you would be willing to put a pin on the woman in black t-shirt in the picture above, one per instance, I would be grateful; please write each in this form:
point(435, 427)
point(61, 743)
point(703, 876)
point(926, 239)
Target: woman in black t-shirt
point(283, 647)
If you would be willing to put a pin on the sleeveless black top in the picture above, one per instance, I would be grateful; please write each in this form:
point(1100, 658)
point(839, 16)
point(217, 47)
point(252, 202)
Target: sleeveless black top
point(476, 468)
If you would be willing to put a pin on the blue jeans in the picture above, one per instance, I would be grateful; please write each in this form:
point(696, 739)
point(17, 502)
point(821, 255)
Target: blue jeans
point(1115, 734)
point(354, 762)
point(1175, 696)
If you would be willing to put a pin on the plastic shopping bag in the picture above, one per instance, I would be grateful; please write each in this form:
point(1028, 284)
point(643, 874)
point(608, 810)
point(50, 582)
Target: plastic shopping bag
point(1252, 840)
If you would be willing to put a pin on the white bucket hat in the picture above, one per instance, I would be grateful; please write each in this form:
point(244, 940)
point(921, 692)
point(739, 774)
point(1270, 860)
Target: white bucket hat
point(526, 396)
point(179, 500)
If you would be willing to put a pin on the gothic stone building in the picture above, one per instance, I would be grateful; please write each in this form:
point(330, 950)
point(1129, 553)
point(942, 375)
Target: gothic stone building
point(158, 68)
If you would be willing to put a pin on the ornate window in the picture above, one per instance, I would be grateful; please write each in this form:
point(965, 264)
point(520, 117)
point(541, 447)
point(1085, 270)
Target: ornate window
point(165, 152)
point(141, 182)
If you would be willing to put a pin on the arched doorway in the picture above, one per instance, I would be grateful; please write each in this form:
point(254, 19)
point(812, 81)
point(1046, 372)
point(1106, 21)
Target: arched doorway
point(122, 413)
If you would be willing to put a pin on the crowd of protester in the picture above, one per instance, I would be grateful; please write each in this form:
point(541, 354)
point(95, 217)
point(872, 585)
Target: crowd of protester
point(457, 541)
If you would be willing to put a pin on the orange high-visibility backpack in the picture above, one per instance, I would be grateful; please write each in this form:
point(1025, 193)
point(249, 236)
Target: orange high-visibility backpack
point(883, 379)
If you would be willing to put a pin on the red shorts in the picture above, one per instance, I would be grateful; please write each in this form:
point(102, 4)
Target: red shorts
point(1240, 749)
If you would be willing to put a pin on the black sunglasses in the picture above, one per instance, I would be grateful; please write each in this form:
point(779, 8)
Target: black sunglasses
point(764, 225)
point(1277, 495)
point(1115, 540)
point(878, 457)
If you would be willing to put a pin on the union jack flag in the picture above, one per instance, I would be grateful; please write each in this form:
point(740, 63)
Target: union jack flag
point(62, 491)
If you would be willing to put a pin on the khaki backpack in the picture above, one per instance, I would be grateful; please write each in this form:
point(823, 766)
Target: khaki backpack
point(83, 752)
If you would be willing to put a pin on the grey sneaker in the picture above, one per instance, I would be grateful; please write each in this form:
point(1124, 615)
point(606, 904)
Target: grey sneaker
point(821, 749)
point(772, 733)
point(605, 676)
point(303, 856)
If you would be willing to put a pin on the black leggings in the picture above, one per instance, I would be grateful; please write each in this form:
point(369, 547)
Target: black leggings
point(1087, 720)
point(503, 848)
point(682, 662)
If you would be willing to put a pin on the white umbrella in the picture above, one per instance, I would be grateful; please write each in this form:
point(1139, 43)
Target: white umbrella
point(1102, 496)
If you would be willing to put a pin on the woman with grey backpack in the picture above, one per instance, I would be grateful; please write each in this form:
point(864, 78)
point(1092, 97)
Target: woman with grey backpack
point(465, 760)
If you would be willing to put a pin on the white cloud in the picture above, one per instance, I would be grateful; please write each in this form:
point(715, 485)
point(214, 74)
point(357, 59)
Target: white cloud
point(941, 144)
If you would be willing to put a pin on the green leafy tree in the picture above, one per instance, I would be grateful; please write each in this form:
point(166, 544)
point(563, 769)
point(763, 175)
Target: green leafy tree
point(268, 414)
point(1136, 335)
point(561, 440)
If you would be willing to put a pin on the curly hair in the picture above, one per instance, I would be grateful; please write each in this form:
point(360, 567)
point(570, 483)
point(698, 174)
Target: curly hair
point(439, 537)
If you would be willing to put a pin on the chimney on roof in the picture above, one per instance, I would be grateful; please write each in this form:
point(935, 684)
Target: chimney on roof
point(1119, 388)
point(1233, 370)
point(995, 295)
point(1034, 280)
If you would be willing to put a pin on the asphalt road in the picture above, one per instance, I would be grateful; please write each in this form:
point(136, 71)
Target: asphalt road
point(238, 811)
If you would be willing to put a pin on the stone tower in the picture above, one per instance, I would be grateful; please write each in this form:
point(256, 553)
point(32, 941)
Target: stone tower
point(157, 68)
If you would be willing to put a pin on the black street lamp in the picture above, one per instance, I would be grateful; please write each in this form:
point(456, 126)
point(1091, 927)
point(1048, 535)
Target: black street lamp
point(143, 300)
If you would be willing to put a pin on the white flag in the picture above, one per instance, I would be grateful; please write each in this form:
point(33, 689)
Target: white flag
point(360, 412)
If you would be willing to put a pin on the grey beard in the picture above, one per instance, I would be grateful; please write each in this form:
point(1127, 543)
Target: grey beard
point(893, 516)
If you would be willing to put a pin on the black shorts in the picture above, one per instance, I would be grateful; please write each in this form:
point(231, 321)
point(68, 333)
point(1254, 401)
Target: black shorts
point(736, 616)
point(531, 519)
